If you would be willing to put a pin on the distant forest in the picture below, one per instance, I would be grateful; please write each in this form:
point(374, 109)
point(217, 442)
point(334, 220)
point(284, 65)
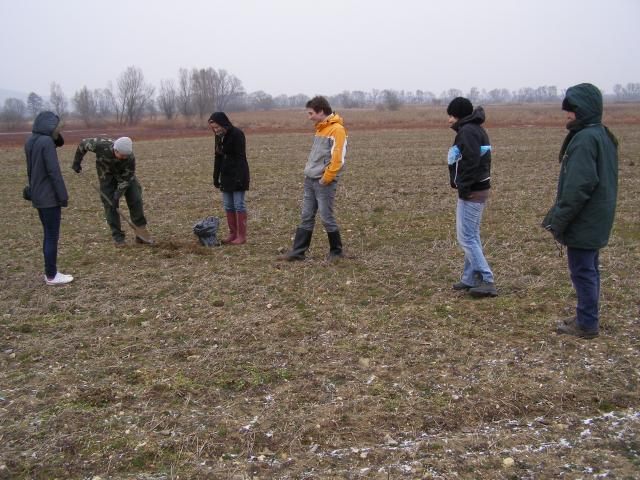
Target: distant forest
point(199, 91)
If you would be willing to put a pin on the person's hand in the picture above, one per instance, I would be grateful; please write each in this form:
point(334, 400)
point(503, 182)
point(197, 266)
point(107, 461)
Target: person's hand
point(216, 183)
point(64, 203)
point(556, 235)
point(76, 167)
point(322, 182)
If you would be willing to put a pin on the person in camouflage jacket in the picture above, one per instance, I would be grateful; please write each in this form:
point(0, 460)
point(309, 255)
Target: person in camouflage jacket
point(116, 168)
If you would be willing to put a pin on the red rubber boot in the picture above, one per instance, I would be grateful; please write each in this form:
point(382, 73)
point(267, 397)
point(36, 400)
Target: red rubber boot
point(232, 221)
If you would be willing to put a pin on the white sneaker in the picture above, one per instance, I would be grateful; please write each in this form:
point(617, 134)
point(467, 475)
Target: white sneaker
point(59, 279)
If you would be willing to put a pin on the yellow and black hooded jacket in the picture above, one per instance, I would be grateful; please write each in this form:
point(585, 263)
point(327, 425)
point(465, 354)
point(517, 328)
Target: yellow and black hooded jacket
point(326, 158)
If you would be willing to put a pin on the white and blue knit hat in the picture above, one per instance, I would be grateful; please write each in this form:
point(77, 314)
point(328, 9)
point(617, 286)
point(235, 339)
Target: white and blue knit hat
point(123, 145)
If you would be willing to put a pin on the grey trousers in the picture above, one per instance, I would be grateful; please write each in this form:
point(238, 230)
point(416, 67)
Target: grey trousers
point(318, 199)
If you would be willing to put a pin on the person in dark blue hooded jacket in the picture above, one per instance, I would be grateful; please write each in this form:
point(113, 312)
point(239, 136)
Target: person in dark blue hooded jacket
point(47, 191)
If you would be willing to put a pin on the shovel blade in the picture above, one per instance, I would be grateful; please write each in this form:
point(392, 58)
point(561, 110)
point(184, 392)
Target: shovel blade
point(141, 232)
point(144, 235)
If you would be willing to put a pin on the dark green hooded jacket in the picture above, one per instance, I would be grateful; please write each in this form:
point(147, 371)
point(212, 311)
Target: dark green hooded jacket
point(583, 213)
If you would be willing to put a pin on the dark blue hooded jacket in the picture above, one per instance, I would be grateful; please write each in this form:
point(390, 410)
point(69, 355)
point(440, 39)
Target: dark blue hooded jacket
point(47, 185)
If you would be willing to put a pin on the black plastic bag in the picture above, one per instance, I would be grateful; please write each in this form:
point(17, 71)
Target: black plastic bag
point(206, 230)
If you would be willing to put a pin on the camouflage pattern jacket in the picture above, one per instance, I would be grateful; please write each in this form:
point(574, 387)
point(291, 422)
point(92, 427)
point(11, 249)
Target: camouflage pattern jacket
point(109, 168)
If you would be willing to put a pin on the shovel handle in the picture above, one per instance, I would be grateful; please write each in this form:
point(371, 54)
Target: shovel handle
point(136, 229)
point(108, 200)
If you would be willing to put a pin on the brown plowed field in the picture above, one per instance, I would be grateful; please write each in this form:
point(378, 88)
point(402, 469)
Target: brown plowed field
point(181, 361)
point(292, 121)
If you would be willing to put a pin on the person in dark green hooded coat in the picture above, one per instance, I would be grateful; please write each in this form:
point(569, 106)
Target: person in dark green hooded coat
point(582, 216)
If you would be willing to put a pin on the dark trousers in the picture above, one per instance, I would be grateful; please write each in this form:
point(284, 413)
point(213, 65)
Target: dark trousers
point(585, 275)
point(133, 195)
point(50, 218)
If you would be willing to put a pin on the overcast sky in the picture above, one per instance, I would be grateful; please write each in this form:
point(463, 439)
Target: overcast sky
point(323, 46)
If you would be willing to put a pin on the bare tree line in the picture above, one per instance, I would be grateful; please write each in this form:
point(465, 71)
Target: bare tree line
point(630, 92)
point(199, 91)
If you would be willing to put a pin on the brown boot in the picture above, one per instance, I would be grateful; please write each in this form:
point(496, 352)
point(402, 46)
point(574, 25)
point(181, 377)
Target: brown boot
point(232, 221)
point(241, 236)
point(569, 326)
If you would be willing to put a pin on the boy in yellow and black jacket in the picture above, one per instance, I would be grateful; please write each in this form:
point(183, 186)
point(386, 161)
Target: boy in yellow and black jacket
point(322, 172)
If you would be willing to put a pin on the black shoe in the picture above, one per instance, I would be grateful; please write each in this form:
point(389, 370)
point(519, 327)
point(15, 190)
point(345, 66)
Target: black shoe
point(569, 326)
point(119, 242)
point(461, 286)
point(301, 243)
point(485, 289)
point(335, 246)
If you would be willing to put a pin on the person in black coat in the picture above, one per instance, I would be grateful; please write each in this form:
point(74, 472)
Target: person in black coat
point(231, 174)
point(469, 163)
point(47, 190)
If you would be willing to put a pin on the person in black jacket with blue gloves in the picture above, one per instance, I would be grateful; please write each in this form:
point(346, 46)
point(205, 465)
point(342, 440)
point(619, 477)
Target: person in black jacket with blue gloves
point(231, 174)
point(469, 163)
point(47, 190)
point(582, 216)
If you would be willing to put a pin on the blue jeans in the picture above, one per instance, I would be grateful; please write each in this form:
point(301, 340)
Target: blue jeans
point(585, 276)
point(234, 201)
point(318, 199)
point(50, 218)
point(468, 218)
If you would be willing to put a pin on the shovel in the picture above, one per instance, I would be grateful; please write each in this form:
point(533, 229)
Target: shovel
point(141, 232)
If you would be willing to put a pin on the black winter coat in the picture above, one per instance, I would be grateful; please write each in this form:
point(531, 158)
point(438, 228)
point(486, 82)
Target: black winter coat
point(473, 171)
point(45, 178)
point(230, 166)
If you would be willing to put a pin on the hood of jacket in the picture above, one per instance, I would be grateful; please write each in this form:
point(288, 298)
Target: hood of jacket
point(221, 119)
point(586, 101)
point(45, 123)
point(476, 117)
point(330, 120)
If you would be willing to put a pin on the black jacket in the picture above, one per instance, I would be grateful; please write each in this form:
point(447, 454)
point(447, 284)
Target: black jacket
point(230, 166)
point(45, 179)
point(473, 171)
